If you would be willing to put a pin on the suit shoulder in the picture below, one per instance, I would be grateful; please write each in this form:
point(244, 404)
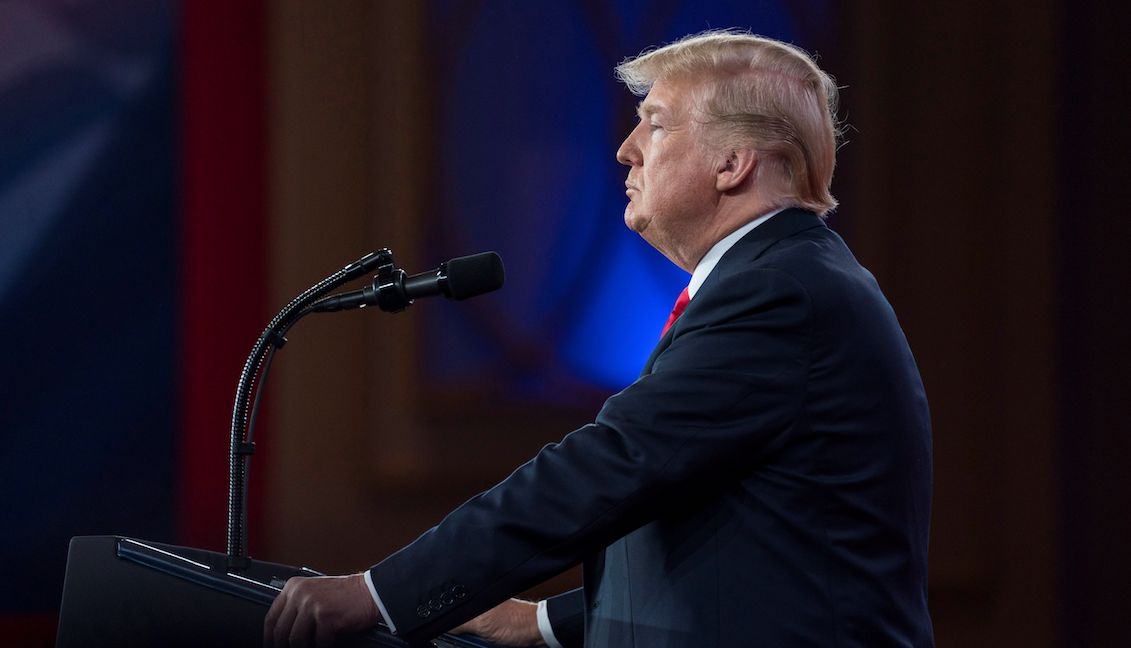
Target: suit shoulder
point(813, 258)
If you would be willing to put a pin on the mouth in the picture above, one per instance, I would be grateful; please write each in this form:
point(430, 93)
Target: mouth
point(631, 187)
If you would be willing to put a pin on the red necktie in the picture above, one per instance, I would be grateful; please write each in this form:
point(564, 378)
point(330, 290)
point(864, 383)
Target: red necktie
point(677, 310)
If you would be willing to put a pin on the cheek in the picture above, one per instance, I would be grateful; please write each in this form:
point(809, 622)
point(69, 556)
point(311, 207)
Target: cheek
point(658, 180)
point(670, 185)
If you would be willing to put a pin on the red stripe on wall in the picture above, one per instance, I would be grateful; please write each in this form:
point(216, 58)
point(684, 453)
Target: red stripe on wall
point(223, 248)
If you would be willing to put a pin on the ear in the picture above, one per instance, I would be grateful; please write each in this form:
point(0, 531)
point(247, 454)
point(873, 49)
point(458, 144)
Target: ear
point(735, 168)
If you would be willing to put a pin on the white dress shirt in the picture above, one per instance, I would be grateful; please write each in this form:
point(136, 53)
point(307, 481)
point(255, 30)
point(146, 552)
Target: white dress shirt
point(711, 258)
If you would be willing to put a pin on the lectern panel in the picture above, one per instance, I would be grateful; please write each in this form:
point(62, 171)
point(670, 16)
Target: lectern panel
point(124, 592)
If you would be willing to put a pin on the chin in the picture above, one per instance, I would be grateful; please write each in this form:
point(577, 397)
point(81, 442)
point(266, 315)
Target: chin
point(634, 222)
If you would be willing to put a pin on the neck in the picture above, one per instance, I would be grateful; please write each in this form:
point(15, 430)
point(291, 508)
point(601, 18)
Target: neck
point(727, 217)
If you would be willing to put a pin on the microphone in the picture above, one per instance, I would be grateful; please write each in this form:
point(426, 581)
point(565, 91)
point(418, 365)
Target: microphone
point(392, 290)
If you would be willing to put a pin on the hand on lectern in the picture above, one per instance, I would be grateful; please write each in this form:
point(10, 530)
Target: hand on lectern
point(315, 611)
point(510, 623)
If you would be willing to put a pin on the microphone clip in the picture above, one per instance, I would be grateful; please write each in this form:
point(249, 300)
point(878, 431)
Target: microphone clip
point(387, 289)
point(391, 295)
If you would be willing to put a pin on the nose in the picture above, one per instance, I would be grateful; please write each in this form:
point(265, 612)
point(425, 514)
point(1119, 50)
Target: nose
point(629, 153)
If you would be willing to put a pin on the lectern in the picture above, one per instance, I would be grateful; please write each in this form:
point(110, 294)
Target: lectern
point(124, 592)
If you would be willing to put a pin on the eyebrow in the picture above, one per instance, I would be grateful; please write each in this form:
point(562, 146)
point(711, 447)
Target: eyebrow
point(643, 111)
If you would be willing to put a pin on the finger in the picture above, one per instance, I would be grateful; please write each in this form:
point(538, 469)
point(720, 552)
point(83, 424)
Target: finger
point(466, 628)
point(323, 636)
point(272, 618)
point(286, 619)
point(303, 628)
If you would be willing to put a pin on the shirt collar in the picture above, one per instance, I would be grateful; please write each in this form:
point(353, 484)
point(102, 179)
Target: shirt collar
point(711, 258)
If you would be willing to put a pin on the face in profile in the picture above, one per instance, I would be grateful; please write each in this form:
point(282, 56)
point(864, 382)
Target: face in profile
point(671, 179)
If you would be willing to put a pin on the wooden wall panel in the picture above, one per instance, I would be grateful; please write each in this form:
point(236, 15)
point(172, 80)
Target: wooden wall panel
point(953, 206)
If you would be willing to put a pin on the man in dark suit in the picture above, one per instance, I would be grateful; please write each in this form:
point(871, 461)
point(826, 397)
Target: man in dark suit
point(766, 481)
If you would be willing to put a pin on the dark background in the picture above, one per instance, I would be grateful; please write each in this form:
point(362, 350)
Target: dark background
point(171, 173)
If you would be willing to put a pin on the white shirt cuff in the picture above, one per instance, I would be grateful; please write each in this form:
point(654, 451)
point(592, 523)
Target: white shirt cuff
point(381, 606)
point(544, 626)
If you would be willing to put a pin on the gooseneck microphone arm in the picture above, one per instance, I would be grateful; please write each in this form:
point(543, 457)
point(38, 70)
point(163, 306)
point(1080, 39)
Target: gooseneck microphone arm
point(273, 337)
point(392, 291)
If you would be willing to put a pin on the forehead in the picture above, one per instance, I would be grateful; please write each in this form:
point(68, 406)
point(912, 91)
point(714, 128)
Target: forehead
point(668, 96)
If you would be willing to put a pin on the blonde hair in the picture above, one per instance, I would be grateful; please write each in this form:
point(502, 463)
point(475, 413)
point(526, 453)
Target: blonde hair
point(761, 93)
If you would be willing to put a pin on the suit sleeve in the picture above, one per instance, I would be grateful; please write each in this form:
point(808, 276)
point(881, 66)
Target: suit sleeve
point(566, 613)
point(727, 389)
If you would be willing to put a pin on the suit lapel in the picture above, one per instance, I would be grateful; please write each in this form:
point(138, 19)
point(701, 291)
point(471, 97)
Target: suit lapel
point(656, 351)
point(747, 249)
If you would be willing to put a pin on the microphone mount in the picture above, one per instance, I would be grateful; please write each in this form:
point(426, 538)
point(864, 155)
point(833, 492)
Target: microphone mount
point(273, 337)
point(392, 291)
point(387, 291)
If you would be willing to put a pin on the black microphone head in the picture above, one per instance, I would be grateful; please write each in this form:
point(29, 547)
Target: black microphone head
point(469, 276)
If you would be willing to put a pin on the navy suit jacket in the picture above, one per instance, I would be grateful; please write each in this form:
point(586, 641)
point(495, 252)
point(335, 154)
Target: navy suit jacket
point(766, 481)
